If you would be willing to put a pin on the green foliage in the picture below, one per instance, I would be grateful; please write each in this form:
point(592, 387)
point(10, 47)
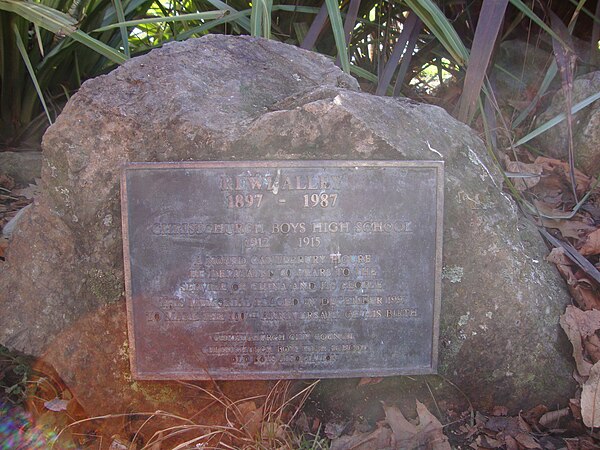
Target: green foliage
point(15, 372)
point(48, 47)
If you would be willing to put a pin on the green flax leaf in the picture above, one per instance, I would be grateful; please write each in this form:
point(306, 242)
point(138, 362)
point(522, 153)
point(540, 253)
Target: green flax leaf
point(335, 17)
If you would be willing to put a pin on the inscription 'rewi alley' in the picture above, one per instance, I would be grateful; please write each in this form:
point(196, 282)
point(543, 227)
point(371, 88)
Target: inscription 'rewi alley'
point(283, 269)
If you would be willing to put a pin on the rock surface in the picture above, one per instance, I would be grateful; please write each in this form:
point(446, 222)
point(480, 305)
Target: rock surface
point(519, 68)
point(586, 127)
point(226, 98)
point(23, 167)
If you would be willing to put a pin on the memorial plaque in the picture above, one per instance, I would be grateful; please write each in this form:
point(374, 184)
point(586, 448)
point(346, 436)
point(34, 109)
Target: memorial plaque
point(282, 269)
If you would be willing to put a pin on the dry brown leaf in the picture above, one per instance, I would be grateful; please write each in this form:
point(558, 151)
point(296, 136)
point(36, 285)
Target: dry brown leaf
point(591, 244)
point(511, 443)
point(468, 430)
point(581, 443)
point(582, 181)
point(575, 407)
point(118, 444)
point(484, 441)
point(56, 404)
point(380, 438)
point(432, 429)
point(590, 398)
point(500, 411)
point(402, 428)
point(586, 298)
point(550, 419)
point(587, 321)
point(572, 322)
point(574, 229)
point(524, 183)
point(427, 434)
point(368, 380)
point(591, 345)
point(509, 425)
point(557, 256)
point(6, 181)
point(526, 440)
point(251, 417)
point(533, 415)
point(335, 429)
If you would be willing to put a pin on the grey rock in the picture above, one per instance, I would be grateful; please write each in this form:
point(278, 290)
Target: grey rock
point(241, 98)
point(23, 167)
point(8, 229)
point(586, 127)
point(518, 68)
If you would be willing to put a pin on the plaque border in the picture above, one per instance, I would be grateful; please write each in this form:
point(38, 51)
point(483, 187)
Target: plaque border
point(289, 374)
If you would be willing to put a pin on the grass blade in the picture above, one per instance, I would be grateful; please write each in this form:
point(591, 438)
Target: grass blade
point(123, 28)
point(51, 20)
point(335, 17)
point(260, 18)
point(558, 119)
point(565, 60)
point(550, 74)
point(242, 21)
point(23, 51)
point(60, 24)
point(98, 46)
point(349, 24)
point(230, 17)
point(255, 17)
point(486, 34)
point(534, 17)
point(38, 38)
point(363, 73)
point(217, 14)
point(438, 24)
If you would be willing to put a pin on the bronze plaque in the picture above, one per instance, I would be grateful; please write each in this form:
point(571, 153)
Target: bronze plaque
point(282, 269)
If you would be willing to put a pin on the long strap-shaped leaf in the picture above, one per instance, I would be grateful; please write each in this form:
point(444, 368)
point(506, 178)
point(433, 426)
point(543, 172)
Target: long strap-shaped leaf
point(350, 23)
point(388, 71)
point(408, 55)
point(558, 119)
point(60, 24)
point(535, 18)
point(182, 18)
point(335, 17)
point(488, 26)
point(27, 62)
point(438, 24)
point(123, 29)
point(242, 21)
point(565, 60)
point(315, 29)
point(260, 18)
point(228, 18)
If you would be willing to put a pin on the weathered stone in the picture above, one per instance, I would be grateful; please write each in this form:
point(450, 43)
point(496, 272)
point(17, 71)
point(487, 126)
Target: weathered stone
point(225, 98)
point(518, 69)
point(93, 351)
point(586, 126)
point(23, 167)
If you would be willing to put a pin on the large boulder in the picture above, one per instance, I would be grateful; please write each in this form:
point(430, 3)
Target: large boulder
point(241, 98)
point(586, 126)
